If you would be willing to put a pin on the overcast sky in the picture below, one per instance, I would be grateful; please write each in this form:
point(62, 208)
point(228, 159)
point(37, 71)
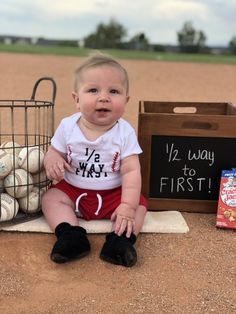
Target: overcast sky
point(158, 19)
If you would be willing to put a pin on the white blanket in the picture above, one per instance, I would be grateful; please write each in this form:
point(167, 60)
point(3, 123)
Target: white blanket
point(155, 222)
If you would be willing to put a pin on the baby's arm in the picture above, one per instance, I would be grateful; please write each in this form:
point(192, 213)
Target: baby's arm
point(55, 164)
point(124, 215)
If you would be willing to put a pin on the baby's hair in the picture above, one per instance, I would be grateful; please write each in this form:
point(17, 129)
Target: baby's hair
point(96, 60)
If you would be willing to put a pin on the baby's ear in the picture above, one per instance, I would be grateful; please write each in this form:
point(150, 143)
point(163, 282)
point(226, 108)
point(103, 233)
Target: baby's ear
point(75, 97)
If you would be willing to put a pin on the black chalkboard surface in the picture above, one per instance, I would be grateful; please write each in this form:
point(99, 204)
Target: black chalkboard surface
point(188, 167)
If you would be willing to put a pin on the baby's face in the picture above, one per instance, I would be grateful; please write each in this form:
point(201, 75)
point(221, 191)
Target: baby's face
point(102, 95)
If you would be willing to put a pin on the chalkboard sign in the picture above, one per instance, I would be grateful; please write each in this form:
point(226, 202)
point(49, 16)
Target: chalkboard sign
point(185, 147)
point(186, 167)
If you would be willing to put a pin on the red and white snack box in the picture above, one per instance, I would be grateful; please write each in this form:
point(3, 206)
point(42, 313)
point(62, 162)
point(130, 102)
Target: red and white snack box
point(226, 211)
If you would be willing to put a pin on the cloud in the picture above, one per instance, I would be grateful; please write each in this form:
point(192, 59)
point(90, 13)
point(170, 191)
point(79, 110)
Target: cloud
point(158, 19)
point(174, 9)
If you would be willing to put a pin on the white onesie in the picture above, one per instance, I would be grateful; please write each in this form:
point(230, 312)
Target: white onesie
point(96, 164)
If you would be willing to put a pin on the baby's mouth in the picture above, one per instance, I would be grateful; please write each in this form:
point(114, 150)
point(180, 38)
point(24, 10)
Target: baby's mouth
point(102, 110)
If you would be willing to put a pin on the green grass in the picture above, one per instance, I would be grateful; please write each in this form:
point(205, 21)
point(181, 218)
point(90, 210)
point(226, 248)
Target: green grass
point(44, 50)
point(121, 54)
point(176, 57)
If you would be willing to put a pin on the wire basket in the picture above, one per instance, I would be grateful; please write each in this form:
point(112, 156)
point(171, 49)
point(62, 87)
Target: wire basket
point(26, 129)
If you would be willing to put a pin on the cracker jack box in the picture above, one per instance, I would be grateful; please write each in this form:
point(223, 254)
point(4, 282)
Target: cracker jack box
point(185, 147)
point(226, 212)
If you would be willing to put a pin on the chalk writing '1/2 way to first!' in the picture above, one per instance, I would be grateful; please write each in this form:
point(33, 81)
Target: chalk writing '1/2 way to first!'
point(188, 167)
point(187, 179)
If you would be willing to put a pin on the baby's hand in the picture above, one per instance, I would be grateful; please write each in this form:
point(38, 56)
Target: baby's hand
point(55, 165)
point(124, 219)
point(55, 170)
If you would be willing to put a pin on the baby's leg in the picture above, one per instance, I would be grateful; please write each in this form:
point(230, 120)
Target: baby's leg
point(139, 219)
point(72, 241)
point(57, 207)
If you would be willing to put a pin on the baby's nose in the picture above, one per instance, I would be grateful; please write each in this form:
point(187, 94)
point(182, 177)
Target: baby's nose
point(104, 98)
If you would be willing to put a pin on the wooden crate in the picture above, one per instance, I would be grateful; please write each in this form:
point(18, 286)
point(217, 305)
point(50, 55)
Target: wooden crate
point(185, 147)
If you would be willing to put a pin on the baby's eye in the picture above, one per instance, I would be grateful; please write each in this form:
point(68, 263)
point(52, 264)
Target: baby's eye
point(114, 91)
point(93, 90)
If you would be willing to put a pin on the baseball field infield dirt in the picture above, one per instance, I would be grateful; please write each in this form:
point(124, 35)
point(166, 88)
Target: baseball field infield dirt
point(175, 273)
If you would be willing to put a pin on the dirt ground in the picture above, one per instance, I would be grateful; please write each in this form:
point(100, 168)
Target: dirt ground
point(176, 273)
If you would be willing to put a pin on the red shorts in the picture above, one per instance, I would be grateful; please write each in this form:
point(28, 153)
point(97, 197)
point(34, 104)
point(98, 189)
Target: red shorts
point(94, 204)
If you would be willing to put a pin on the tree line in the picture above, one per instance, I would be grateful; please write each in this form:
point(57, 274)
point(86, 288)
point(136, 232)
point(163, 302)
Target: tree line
point(112, 35)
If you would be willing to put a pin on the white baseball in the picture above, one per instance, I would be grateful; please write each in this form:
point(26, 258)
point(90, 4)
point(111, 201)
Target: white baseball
point(18, 183)
point(12, 148)
point(31, 159)
point(9, 207)
point(31, 203)
point(5, 163)
point(40, 179)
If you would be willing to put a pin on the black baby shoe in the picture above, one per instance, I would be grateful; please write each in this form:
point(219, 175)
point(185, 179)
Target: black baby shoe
point(119, 250)
point(71, 243)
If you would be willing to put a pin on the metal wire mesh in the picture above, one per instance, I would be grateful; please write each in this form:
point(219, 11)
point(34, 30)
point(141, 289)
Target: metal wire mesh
point(26, 129)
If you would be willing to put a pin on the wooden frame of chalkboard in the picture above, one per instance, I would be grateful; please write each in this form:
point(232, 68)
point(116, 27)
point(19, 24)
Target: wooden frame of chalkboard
point(185, 147)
